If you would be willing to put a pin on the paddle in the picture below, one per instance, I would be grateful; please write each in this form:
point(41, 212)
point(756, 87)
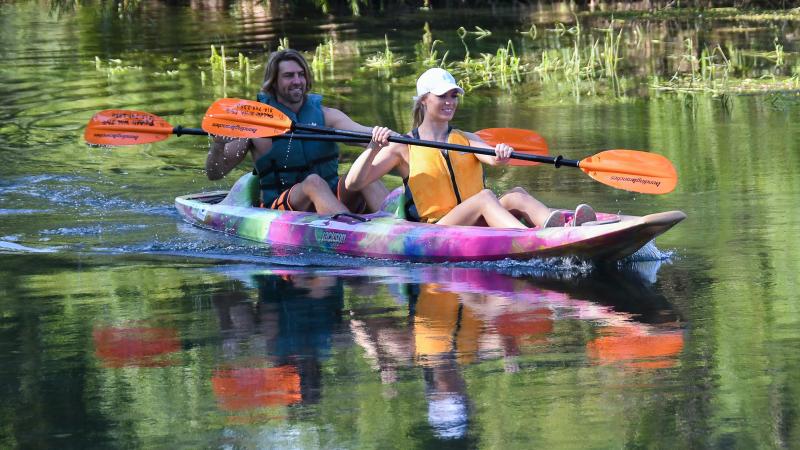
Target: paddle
point(523, 141)
point(249, 119)
point(630, 170)
point(126, 127)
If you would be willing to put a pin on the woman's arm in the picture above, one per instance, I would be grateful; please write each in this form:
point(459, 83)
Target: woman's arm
point(376, 161)
point(223, 155)
point(502, 152)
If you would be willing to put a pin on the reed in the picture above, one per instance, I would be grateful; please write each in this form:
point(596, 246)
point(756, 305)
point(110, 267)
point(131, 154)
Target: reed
point(114, 66)
point(426, 52)
point(323, 59)
point(532, 32)
point(223, 68)
point(385, 61)
point(778, 55)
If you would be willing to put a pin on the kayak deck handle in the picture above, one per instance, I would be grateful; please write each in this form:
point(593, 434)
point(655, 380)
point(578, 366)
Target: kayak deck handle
point(350, 216)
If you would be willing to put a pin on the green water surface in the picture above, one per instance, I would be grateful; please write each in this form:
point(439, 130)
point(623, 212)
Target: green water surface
point(121, 327)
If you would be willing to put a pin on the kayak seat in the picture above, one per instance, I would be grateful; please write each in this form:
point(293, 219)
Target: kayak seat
point(245, 192)
point(393, 204)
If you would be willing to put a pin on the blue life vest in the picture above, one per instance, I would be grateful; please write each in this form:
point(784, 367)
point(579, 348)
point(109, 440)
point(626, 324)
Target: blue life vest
point(290, 161)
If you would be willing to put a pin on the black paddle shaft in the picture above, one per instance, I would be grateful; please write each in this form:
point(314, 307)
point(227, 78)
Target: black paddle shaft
point(558, 161)
point(181, 130)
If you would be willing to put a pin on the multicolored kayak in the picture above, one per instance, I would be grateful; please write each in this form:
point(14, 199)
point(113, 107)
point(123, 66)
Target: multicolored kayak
point(386, 236)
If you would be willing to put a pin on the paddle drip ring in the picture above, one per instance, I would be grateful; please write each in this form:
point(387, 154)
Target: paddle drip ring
point(288, 149)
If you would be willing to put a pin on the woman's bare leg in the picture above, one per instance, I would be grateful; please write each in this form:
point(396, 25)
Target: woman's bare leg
point(375, 193)
point(481, 205)
point(522, 204)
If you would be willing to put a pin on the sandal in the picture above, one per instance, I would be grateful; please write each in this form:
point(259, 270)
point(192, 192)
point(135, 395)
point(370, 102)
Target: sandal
point(555, 219)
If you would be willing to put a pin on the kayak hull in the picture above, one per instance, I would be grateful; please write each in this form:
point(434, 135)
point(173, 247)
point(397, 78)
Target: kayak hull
point(382, 235)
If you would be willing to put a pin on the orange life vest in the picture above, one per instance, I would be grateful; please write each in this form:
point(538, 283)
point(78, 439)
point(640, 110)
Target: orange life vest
point(440, 180)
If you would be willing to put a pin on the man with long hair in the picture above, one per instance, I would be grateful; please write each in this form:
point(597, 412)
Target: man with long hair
point(296, 175)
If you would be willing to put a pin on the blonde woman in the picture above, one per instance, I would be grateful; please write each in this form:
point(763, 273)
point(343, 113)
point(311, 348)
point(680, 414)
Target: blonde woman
point(446, 187)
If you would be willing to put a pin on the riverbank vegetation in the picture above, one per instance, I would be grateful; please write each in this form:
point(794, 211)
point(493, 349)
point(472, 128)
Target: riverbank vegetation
point(592, 56)
point(578, 50)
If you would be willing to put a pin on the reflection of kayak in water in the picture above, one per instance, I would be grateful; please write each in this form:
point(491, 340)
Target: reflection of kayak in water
point(383, 235)
point(613, 289)
point(632, 325)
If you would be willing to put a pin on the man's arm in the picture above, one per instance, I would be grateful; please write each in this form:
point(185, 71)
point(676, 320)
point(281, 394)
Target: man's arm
point(337, 119)
point(224, 154)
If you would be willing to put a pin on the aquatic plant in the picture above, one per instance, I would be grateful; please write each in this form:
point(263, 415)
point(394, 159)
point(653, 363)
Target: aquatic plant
point(531, 33)
point(480, 32)
point(113, 66)
point(426, 52)
point(217, 60)
point(778, 54)
point(384, 61)
point(221, 69)
point(586, 58)
point(610, 55)
point(283, 43)
point(323, 58)
point(503, 68)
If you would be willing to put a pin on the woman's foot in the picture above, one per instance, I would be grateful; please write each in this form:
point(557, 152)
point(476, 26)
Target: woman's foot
point(555, 219)
point(583, 213)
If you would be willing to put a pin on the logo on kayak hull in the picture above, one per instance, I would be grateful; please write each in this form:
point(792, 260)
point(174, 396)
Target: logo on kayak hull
point(332, 237)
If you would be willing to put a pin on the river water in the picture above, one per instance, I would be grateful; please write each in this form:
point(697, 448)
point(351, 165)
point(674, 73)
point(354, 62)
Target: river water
point(124, 327)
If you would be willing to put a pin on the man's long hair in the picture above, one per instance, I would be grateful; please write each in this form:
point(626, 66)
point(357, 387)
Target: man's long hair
point(271, 73)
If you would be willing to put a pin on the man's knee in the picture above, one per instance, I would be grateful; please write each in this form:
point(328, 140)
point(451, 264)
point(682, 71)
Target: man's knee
point(313, 183)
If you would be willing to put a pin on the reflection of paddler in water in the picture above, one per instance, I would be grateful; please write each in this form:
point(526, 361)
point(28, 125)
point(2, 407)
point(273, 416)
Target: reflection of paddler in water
point(465, 315)
point(445, 336)
point(289, 328)
point(442, 334)
point(438, 335)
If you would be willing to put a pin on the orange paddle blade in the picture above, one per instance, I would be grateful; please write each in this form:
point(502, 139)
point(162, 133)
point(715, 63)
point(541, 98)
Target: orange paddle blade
point(249, 388)
point(635, 348)
point(125, 127)
point(237, 118)
point(632, 170)
point(523, 141)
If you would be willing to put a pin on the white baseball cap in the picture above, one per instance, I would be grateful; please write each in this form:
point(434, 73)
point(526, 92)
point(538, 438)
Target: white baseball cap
point(437, 81)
